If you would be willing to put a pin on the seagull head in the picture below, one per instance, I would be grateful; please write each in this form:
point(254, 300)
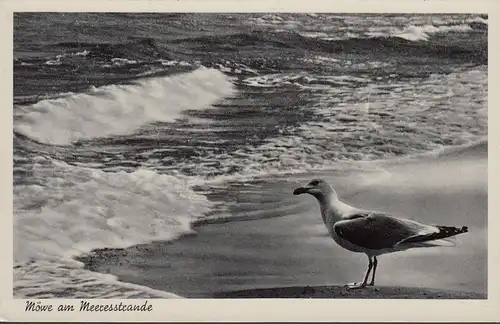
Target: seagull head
point(318, 188)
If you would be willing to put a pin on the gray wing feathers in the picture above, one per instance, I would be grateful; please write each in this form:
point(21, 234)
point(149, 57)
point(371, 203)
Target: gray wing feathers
point(378, 231)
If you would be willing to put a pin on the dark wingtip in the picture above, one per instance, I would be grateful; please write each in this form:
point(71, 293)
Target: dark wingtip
point(465, 229)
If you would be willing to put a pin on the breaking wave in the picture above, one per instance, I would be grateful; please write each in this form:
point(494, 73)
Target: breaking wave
point(121, 109)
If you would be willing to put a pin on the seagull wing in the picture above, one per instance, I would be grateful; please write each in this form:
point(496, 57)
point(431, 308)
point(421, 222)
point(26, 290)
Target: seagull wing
point(372, 230)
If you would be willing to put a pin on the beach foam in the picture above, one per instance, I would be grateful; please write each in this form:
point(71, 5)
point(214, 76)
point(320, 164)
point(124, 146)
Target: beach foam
point(71, 210)
point(77, 209)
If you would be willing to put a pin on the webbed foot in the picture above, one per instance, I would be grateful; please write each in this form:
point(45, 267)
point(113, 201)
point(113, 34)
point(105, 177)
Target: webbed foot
point(356, 285)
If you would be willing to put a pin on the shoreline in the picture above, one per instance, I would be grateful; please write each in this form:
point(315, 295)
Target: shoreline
point(206, 265)
point(294, 250)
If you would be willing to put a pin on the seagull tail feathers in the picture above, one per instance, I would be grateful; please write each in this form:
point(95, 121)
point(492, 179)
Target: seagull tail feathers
point(444, 236)
point(446, 242)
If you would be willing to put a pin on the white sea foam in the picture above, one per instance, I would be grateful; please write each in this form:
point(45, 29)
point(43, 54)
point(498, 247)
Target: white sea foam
point(477, 20)
point(122, 109)
point(416, 32)
point(67, 279)
point(335, 27)
point(78, 209)
point(268, 19)
point(58, 59)
point(122, 61)
point(53, 62)
point(302, 79)
point(365, 129)
point(314, 34)
point(318, 59)
point(71, 210)
point(174, 63)
point(83, 53)
point(45, 96)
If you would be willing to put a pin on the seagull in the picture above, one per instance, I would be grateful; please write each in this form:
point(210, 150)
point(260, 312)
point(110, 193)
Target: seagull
point(371, 232)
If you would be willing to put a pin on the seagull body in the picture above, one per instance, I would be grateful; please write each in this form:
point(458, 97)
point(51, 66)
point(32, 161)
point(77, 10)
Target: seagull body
point(373, 233)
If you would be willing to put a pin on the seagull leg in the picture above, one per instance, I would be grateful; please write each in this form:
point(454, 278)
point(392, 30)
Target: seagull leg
point(375, 262)
point(363, 284)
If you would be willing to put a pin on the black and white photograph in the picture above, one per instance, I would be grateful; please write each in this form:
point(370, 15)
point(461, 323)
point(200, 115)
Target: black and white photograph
point(263, 155)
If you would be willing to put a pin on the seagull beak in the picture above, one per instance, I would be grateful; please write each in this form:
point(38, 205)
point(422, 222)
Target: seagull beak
point(300, 190)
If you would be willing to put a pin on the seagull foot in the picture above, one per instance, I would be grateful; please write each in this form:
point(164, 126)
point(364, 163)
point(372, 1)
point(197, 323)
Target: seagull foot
point(371, 284)
point(355, 285)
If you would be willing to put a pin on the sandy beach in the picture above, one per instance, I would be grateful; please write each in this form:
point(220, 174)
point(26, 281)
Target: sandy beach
point(294, 250)
point(342, 292)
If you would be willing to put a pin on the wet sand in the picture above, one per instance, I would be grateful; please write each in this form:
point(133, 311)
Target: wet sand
point(292, 256)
